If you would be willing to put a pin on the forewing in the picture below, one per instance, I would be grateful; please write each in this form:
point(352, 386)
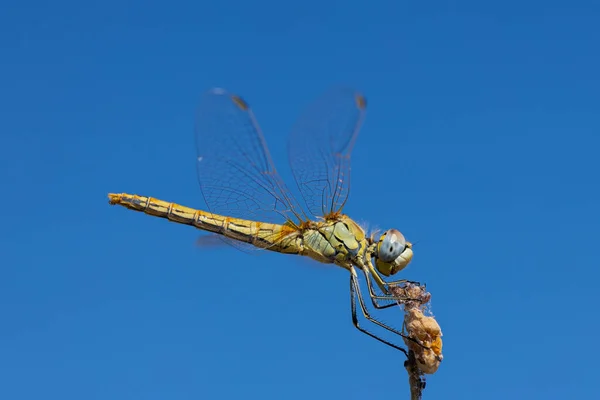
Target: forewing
point(235, 171)
point(320, 146)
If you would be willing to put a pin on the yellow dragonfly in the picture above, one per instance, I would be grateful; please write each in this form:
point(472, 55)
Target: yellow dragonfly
point(250, 206)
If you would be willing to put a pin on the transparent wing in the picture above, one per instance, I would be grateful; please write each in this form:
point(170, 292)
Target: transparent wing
point(320, 146)
point(213, 240)
point(235, 171)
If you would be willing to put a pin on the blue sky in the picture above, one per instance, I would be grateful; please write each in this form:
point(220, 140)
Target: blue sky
point(480, 144)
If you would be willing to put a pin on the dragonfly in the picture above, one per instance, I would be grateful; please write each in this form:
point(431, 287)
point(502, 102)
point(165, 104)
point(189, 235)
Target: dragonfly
point(250, 207)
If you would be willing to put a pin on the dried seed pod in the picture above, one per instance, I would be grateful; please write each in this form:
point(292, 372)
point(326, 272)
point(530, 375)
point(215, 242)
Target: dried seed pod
point(425, 332)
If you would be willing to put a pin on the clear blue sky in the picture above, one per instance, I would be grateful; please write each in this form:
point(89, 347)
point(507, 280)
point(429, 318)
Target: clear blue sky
point(480, 144)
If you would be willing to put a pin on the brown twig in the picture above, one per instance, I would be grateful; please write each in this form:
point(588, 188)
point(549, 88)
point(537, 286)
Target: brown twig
point(416, 380)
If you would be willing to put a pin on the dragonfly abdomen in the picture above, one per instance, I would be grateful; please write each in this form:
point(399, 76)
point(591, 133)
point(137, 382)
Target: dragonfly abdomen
point(282, 238)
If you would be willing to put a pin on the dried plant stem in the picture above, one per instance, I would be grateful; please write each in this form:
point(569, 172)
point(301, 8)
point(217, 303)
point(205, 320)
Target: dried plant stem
point(416, 380)
point(424, 339)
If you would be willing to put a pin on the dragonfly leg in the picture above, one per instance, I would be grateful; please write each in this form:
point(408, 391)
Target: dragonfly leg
point(400, 281)
point(355, 287)
point(355, 292)
point(384, 286)
point(374, 297)
point(378, 279)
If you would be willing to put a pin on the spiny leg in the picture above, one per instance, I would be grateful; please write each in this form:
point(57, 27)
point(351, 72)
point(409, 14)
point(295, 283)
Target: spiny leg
point(355, 318)
point(374, 297)
point(378, 279)
point(386, 297)
point(383, 286)
point(355, 288)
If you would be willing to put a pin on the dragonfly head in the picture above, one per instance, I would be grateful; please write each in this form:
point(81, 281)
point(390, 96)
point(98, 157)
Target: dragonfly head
point(393, 252)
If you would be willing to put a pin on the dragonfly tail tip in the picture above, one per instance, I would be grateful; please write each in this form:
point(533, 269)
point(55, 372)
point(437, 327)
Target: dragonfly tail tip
point(114, 198)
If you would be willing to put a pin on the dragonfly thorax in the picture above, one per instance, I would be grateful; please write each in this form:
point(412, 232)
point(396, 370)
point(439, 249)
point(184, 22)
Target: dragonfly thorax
point(339, 241)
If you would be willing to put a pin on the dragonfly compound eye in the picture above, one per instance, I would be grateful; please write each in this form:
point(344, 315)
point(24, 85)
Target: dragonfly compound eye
point(391, 245)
